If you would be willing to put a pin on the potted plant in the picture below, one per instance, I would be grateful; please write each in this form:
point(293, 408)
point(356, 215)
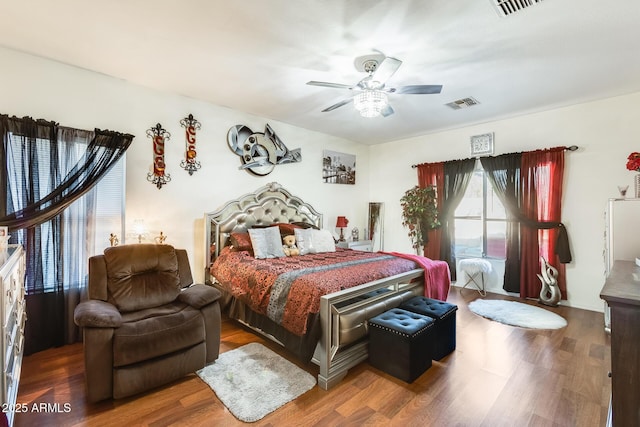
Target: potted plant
point(419, 214)
point(633, 164)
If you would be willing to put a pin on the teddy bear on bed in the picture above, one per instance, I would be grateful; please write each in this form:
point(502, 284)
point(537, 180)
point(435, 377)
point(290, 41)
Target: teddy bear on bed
point(290, 248)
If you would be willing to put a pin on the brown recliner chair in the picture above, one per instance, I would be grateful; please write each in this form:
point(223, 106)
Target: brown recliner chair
point(145, 324)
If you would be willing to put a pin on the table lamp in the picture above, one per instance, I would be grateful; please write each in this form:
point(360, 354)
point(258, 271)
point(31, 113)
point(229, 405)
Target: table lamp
point(341, 223)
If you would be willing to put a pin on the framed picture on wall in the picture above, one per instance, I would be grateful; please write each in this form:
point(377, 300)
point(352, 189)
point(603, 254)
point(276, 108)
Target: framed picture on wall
point(338, 168)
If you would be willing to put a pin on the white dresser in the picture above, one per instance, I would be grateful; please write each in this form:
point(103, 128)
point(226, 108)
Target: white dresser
point(14, 316)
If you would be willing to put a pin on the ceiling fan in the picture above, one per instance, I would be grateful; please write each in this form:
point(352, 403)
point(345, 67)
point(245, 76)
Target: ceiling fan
point(371, 99)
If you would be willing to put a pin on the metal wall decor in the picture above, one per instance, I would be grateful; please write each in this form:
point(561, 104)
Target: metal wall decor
point(159, 135)
point(191, 125)
point(260, 152)
point(482, 144)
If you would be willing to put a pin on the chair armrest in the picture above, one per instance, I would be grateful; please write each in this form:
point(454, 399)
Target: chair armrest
point(198, 296)
point(97, 314)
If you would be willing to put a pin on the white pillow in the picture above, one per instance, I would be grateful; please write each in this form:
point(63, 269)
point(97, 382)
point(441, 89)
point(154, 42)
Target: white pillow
point(312, 241)
point(266, 242)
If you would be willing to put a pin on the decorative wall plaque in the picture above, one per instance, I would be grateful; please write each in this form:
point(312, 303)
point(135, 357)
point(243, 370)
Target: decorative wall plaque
point(189, 163)
point(159, 135)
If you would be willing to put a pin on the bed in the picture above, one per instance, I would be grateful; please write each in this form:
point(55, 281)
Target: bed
point(353, 286)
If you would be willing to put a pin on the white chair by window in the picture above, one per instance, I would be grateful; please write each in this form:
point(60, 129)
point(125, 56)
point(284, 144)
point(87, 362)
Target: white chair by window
point(473, 271)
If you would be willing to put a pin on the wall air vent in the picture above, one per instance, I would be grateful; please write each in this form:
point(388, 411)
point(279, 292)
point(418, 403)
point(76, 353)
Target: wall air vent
point(462, 103)
point(507, 7)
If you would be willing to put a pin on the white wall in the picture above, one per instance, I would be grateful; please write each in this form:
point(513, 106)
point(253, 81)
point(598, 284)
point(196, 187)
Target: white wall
point(78, 98)
point(606, 132)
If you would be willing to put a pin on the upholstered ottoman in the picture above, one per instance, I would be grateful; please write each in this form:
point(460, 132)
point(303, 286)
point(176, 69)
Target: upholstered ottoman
point(444, 315)
point(400, 343)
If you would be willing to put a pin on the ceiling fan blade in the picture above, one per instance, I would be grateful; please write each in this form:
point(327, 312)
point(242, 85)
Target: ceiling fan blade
point(327, 84)
point(417, 89)
point(337, 105)
point(386, 69)
point(387, 111)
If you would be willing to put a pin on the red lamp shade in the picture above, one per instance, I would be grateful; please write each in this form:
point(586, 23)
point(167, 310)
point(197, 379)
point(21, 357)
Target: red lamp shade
point(342, 222)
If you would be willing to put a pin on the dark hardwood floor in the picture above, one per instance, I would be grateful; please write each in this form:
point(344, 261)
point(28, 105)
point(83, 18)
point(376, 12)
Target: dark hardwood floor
point(498, 376)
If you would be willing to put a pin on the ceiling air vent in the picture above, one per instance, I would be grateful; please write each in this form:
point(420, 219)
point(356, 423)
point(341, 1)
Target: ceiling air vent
point(462, 103)
point(507, 7)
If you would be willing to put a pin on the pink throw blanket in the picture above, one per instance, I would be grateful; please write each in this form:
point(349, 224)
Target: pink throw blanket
point(437, 277)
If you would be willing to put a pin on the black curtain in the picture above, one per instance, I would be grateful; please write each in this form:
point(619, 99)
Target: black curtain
point(504, 175)
point(457, 174)
point(102, 153)
point(32, 203)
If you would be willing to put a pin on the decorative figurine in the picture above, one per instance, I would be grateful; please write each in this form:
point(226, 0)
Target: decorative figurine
point(550, 293)
point(355, 234)
point(161, 238)
point(113, 239)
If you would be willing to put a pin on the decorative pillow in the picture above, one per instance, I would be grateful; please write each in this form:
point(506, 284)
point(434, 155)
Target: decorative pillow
point(303, 224)
point(226, 250)
point(286, 229)
point(266, 242)
point(241, 241)
point(312, 241)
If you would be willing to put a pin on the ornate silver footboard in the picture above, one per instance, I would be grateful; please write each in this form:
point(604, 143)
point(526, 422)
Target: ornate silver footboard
point(343, 315)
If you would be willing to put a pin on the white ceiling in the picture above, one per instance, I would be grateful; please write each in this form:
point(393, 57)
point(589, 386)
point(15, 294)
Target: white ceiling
point(255, 56)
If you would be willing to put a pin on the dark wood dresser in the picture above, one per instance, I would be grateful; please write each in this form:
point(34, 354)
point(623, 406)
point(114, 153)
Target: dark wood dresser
point(622, 292)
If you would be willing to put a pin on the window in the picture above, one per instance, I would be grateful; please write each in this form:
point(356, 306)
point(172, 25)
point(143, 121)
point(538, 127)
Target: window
point(110, 202)
point(480, 221)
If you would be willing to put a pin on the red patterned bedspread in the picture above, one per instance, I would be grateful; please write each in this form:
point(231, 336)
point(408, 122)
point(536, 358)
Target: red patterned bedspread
point(288, 289)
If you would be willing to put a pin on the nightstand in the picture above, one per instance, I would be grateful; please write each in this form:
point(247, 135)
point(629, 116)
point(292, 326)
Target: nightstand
point(358, 245)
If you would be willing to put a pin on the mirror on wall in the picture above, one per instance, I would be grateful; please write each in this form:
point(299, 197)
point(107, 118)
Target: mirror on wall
point(375, 225)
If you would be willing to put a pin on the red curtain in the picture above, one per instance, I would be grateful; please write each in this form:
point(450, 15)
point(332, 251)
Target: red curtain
point(433, 174)
point(541, 184)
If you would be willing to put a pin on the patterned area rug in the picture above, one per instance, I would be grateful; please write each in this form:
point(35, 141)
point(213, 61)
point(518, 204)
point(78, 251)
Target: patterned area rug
point(517, 314)
point(253, 381)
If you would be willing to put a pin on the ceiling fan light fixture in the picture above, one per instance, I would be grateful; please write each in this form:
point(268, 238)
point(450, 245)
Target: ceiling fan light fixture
point(370, 103)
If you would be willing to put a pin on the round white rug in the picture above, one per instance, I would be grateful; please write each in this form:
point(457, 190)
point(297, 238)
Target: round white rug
point(517, 314)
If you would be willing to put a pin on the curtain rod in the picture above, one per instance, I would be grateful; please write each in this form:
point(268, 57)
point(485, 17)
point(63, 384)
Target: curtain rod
point(569, 148)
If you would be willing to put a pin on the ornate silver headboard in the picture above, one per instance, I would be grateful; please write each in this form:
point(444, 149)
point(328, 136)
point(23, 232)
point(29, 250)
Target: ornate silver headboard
point(267, 205)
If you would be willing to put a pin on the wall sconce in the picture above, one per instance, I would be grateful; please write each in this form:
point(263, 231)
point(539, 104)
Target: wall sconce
point(341, 223)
